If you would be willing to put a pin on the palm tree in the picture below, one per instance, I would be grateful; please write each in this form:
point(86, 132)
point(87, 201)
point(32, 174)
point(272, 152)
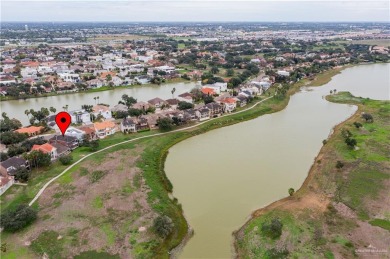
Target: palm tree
point(331, 92)
point(65, 107)
point(52, 109)
point(334, 90)
point(173, 91)
point(95, 99)
point(98, 99)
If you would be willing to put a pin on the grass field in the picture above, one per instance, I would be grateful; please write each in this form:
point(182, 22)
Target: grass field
point(379, 42)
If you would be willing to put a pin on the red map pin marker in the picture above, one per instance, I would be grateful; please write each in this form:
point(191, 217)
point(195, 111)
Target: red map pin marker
point(63, 121)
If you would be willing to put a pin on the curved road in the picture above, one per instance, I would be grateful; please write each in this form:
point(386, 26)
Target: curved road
point(127, 141)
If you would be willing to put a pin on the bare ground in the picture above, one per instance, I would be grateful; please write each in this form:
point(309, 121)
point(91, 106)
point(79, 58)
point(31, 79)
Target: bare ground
point(105, 214)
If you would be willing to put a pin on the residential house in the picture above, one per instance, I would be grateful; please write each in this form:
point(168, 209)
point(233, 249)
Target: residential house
point(89, 131)
point(104, 128)
point(47, 149)
point(119, 108)
point(242, 100)
point(31, 131)
point(141, 106)
point(12, 164)
point(80, 117)
point(190, 115)
point(216, 109)
point(229, 104)
point(95, 83)
point(70, 77)
point(102, 110)
point(75, 133)
point(65, 140)
point(208, 91)
point(128, 125)
point(185, 97)
point(157, 103)
point(217, 87)
point(173, 103)
point(203, 114)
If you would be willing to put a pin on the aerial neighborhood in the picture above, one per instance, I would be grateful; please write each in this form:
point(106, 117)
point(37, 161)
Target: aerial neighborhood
point(232, 70)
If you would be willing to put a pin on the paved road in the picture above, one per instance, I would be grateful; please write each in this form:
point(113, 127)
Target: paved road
point(128, 141)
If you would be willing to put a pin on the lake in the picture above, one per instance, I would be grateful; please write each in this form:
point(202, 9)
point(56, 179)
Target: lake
point(16, 108)
point(221, 176)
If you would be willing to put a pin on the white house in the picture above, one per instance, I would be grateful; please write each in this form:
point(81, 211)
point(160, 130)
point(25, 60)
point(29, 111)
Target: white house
point(102, 110)
point(217, 87)
point(128, 125)
point(69, 77)
point(80, 116)
point(283, 73)
point(73, 132)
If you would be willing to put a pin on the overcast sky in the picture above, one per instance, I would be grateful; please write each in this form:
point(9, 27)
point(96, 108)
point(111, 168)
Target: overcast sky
point(193, 10)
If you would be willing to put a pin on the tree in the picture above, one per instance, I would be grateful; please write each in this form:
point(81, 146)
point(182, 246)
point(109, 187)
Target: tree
point(108, 78)
point(173, 91)
point(214, 70)
point(165, 124)
point(273, 229)
point(229, 72)
point(52, 109)
point(17, 219)
point(66, 160)
point(185, 105)
point(38, 159)
point(163, 226)
point(86, 107)
point(94, 145)
point(128, 100)
point(368, 117)
point(135, 112)
point(291, 191)
point(22, 174)
point(208, 99)
point(7, 124)
point(40, 115)
point(235, 81)
point(11, 137)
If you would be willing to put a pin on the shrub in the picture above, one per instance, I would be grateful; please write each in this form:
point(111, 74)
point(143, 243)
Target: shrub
point(94, 145)
point(66, 160)
point(17, 219)
point(22, 175)
point(273, 229)
point(324, 142)
point(96, 176)
point(339, 164)
point(357, 124)
point(291, 191)
point(165, 124)
point(351, 142)
point(163, 226)
point(368, 117)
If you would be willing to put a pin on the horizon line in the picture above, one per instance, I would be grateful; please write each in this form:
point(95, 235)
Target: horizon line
point(71, 21)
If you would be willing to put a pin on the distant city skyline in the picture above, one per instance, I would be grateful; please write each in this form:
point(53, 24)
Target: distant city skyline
point(195, 11)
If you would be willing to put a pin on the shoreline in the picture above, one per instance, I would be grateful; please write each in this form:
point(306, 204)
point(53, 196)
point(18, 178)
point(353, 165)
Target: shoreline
point(95, 90)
